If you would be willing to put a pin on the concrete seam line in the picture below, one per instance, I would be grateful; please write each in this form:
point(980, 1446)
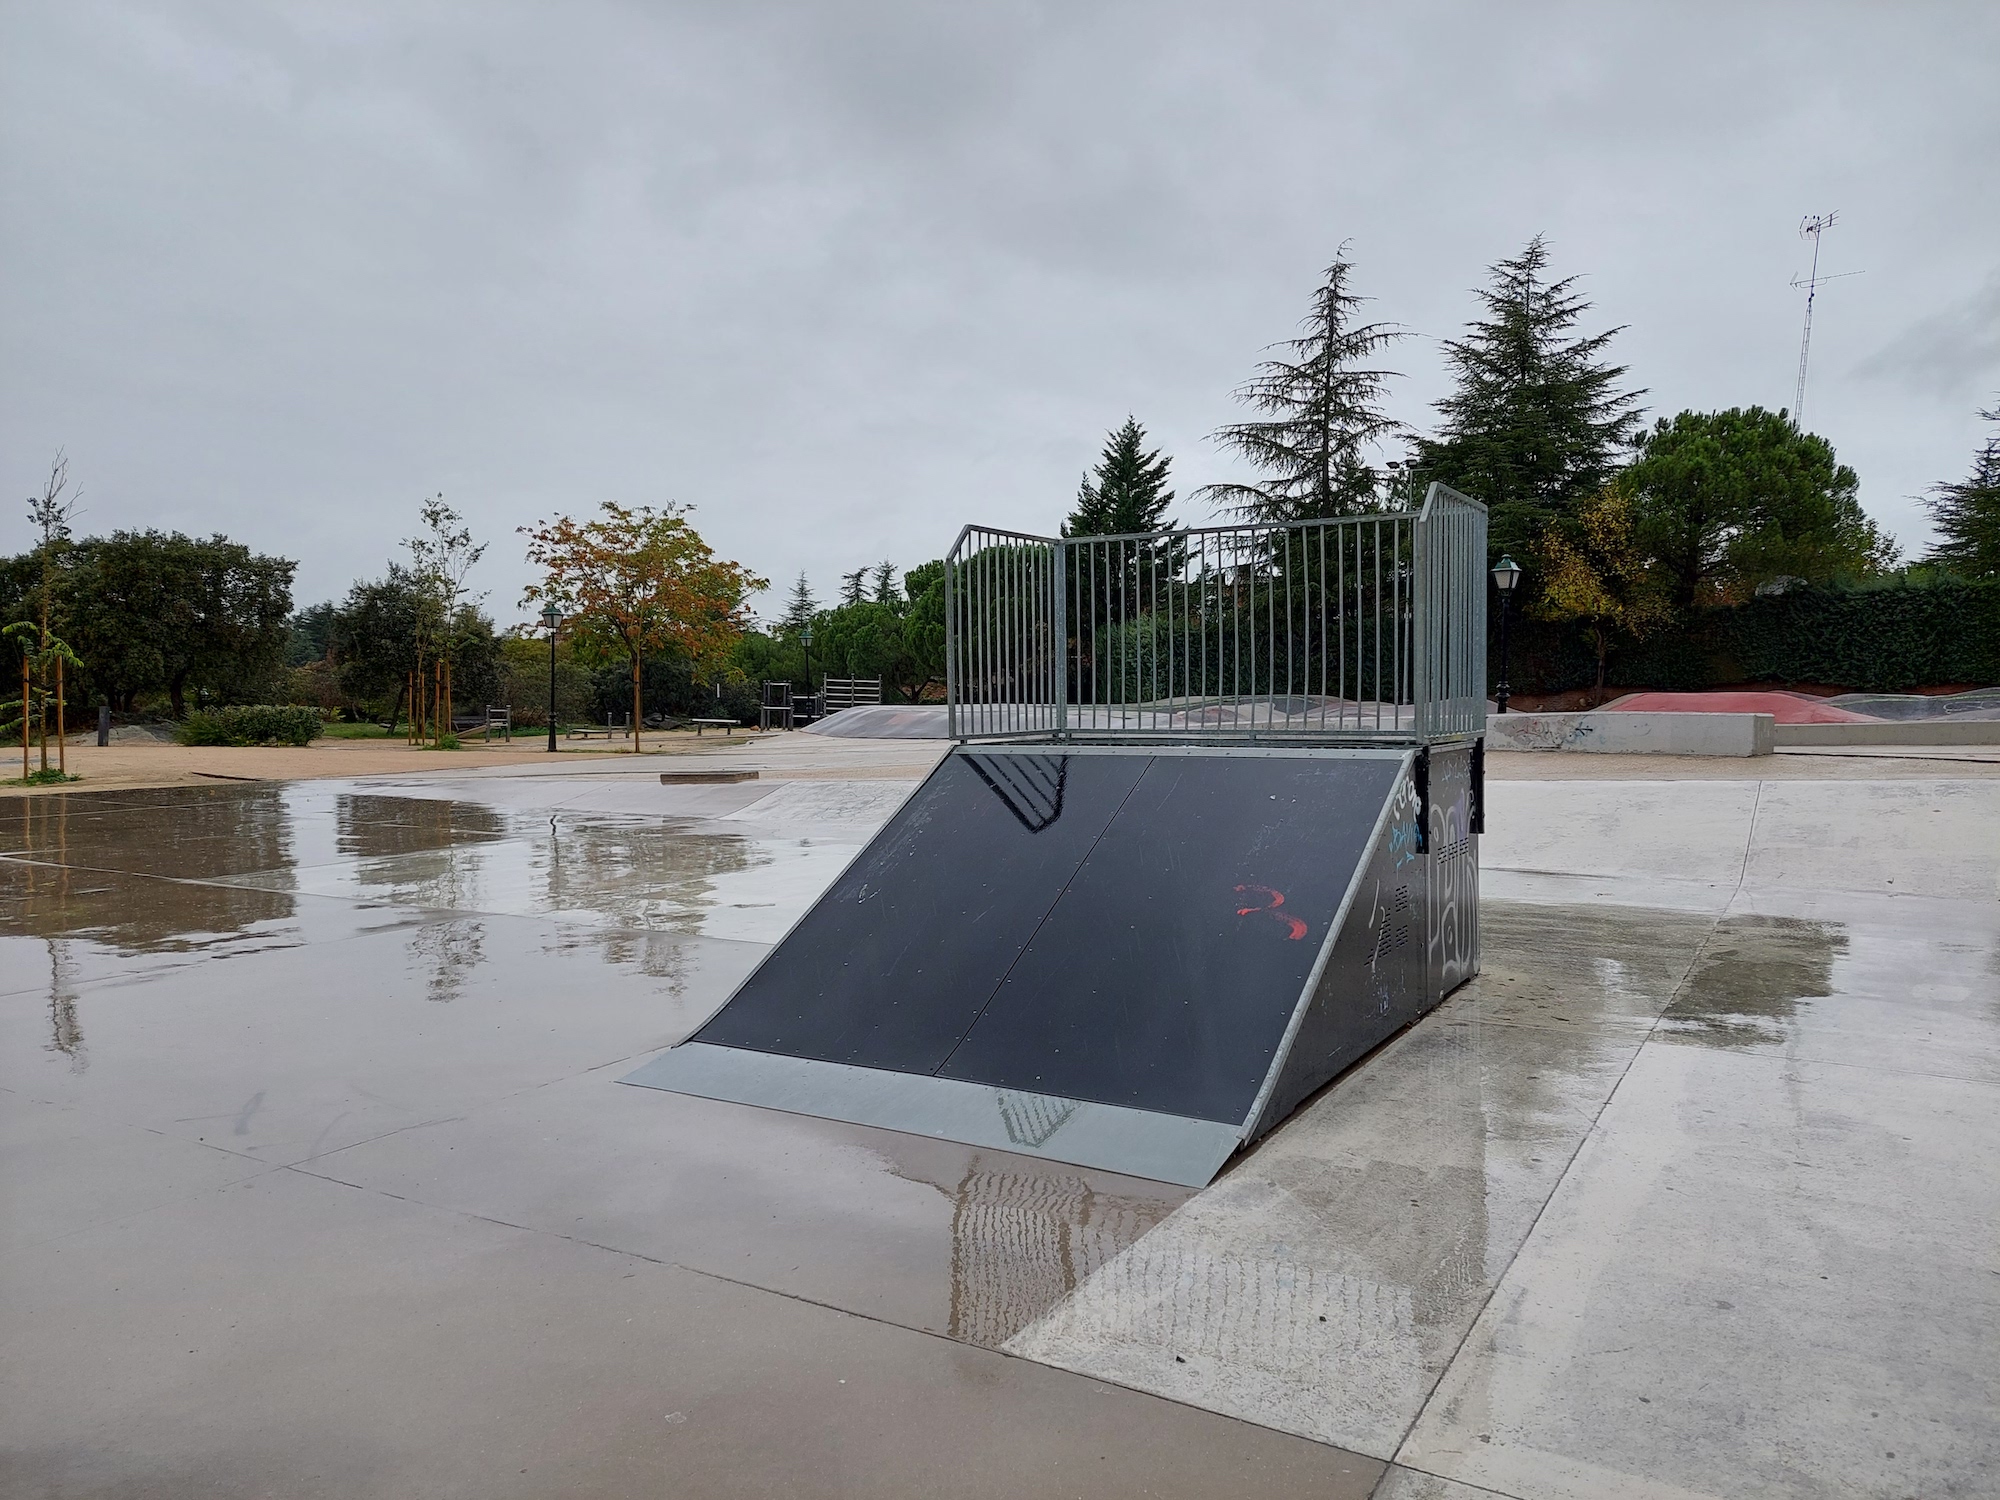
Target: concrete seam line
point(1477, 1489)
point(1003, 1353)
point(466, 1213)
point(1749, 843)
point(1561, 1177)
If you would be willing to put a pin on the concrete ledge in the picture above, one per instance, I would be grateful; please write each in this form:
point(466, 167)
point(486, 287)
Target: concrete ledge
point(1894, 732)
point(1633, 734)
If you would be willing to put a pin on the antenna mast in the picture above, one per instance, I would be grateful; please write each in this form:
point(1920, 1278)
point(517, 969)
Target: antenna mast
point(1811, 228)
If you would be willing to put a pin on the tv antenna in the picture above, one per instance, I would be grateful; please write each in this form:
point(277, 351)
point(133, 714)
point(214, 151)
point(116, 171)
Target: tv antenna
point(1811, 227)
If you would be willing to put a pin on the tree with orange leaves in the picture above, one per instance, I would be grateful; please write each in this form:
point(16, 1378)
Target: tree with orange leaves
point(636, 580)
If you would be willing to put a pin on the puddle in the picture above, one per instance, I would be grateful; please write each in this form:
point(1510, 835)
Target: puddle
point(1752, 979)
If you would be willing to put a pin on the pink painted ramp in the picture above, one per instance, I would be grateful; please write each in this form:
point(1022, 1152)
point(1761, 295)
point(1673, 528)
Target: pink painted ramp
point(1786, 708)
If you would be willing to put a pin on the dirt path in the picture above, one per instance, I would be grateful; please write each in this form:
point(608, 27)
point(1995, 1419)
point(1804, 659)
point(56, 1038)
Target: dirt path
point(130, 766)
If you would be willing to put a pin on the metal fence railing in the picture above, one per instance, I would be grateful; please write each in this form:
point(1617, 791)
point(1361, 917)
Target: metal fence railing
point(1368, 627)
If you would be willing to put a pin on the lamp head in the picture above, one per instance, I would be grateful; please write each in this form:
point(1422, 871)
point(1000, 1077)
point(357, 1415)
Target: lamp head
point(551, 616)
point(1506, 573)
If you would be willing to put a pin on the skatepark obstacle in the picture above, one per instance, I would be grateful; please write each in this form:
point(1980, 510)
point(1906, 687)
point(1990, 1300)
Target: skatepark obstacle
point(1209, 836)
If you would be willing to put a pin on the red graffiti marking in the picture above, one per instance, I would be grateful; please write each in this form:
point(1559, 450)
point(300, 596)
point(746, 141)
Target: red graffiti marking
point(1276, 900)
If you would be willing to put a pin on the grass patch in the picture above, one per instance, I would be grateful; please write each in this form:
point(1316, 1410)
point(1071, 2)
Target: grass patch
point(357, 732)
point(50, 777)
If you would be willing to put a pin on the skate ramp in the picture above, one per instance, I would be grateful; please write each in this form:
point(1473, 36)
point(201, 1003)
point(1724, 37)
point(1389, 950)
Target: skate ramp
point(1108, 956)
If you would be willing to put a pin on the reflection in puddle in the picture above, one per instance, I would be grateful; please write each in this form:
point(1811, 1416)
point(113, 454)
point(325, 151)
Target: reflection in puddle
point(372, 826)
point(52, 890)
point(450, 950)
point(1021, 1241)
point(1751, 979)
point(65, 1029)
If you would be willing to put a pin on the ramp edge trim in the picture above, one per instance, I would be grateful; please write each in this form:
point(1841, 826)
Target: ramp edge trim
point(1304, 1003)
point(1112, 1138)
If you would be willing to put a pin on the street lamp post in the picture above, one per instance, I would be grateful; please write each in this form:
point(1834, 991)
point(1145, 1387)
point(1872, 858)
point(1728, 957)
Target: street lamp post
point(552, 617)
point(809, 670)
point(1506, 573)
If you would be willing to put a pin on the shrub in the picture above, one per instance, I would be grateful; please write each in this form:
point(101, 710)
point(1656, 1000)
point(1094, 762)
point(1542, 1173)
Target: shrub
point(250, 724)
point(1918, 629)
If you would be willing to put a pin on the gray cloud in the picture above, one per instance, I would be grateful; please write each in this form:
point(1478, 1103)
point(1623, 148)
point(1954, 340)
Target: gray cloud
point(847, 276)
point(1952, 355)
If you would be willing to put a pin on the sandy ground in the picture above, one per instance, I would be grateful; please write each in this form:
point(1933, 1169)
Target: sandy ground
point(129, 766)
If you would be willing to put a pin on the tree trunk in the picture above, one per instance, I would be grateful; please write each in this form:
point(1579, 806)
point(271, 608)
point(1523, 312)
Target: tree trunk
point(24, 711)
point(62, 738)
point(177, 696)
point(396, 708)
point(1603, 648)
point(635, 703)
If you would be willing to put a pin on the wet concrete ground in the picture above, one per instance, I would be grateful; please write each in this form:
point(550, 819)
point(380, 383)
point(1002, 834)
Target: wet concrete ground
point(317, 1181)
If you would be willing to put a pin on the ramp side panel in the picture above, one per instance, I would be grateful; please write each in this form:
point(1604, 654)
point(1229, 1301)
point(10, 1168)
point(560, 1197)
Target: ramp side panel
point(891, 965)
point(1451, 917)
point(1410, 938)
point(1163, 1148)
point(1166, 976)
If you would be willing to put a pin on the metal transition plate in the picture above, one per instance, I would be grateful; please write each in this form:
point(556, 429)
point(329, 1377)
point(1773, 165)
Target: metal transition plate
point(1098, 955)
point(1139, 1143)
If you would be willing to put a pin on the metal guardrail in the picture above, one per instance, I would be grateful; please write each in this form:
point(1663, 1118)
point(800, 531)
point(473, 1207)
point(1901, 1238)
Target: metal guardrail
point(850, 692)
point(1357, 628)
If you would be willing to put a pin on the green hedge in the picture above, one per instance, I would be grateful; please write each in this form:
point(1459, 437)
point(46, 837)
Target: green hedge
point(1883, 637)
point(251, 724)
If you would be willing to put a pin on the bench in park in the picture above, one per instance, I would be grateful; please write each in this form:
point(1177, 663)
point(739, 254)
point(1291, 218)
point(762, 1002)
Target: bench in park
point(727, 726)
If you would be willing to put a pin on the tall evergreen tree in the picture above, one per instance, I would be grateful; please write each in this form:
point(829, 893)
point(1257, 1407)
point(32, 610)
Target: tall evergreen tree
point(884, 578)
point(1967, 515)
point(1537, 420)
point(851, 586)
point(801, 607)
point(1321, 406)
point(1126, 492)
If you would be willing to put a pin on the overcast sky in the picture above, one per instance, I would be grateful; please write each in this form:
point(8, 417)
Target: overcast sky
point(846, 275)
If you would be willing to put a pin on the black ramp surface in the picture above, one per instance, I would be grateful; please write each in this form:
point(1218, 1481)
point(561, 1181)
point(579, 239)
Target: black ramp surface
point(1166, 974)
point(890, 967)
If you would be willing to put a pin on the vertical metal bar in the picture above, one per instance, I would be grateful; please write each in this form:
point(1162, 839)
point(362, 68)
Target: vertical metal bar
point(1236, 630)
point(1378, 625)
point(1289, 628)
point(976, 633)
point(950, 649)
point(1024, 634)
point(1059, 636)
point(1322, 619)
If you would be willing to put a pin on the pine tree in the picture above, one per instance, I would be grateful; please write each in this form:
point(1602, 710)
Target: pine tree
point(1126, 492)
point(851, 586)
point(885, 582)
point(1967, 515)
point(801, 607)
point(1536, 422)
point(1322, 414)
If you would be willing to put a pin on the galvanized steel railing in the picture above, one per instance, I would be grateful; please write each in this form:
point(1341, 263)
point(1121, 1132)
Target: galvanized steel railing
point(1358, 628)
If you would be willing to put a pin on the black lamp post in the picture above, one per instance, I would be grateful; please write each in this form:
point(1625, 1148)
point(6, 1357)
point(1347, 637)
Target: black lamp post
point(552, 617)
point(809, 671)
point(1506, 573)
